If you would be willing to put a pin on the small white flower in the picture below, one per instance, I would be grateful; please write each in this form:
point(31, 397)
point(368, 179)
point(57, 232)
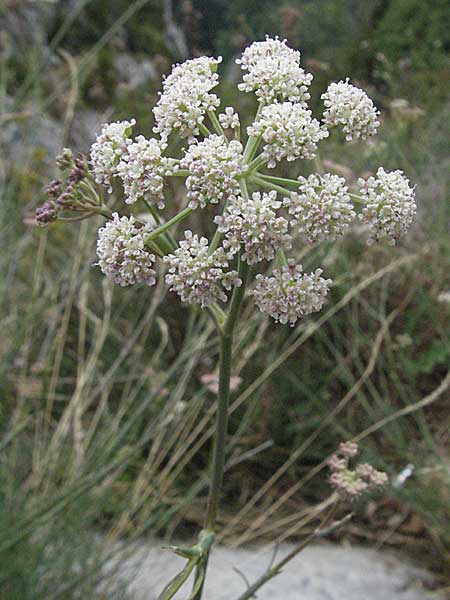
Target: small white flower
point(274, 72)
point(253, 223)
point(350, 107)
point(289, 131)
point(108, 149)
point(289, 294)
point(229, 119)
point(215, 166)
point(186, 97)
point(142, 170)
point(198, 276)
point(122, 253)
point(321, 208)
point(389, 207)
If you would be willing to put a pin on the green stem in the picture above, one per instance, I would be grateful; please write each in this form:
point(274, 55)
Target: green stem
point(218, 316)
point(283, 181)
point(158, 251)
point(278, 180)
point(215, 122)
point(215, 241)
point(152, 211)
point(217, 234)
point(272, 186)
point(256, 163)
point(102, 210)
point(226, 345)
point(244, 190)
point(359, 199)
point(169, 237)
point(203, 129)
point(180, 173)
point(252, 142)
point(251, 148)
point(82, 217)
point(280, 258)
point(168, 224)
point(225, 362)
point(92, 195)
point(274, 570)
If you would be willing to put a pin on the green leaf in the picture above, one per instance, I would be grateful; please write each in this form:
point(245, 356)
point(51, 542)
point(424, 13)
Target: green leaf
point(175, 584)
point(199, 581)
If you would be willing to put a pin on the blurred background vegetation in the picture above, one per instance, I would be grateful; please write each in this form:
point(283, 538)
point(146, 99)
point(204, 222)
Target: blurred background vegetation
point(105, 420)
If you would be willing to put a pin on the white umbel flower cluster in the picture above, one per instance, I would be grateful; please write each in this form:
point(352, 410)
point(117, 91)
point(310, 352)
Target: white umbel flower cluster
point(351, 108)
point(289, 131)
point(274, 72)
point(142, 170)
point(389, 207)
point(198, 276)
point(122, 254)
point(289, 294)
point(253, 224)
point(229, 119)
point(186, 96)
point(215, 166)
point(321, 208)
point(108, 149)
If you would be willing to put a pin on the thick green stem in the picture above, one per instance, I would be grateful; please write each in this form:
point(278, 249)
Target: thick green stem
point(218, 456)
point(226, 350)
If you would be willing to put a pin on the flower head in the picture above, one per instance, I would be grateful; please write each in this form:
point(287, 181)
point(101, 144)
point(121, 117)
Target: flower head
point(289, 294)
point(321, 208)
point(289, 131)
point(108, 150)
point(65, 159)
point(186, 96)
point(274, 72)
point(253, 223)
point(389, 207)
point(122, 253)
point(47, 213)
point(351, 483)
point(350, 107)
point(214, 165)
point(142, 170)
point(197, 275)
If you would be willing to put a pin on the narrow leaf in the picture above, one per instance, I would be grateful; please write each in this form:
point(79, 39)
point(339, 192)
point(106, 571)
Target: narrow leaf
point(174, 585)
